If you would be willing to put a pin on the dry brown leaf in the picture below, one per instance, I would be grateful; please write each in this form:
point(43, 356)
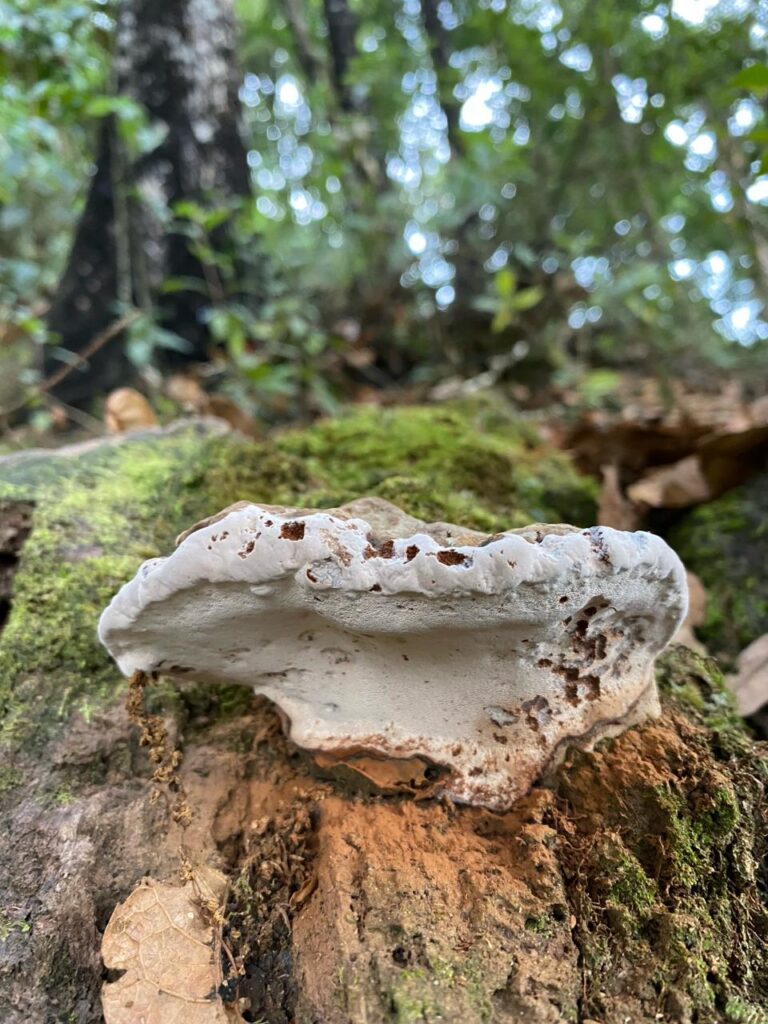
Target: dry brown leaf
point(390, 775)
point(226, 409)
point(697, 605)
point(677, 486)
point(300, 897)
point(187, 392)
point(169, 953)
point(750, 682)
point(127, 409)
point(613, 508)
point(728, 460)
point(665, 430)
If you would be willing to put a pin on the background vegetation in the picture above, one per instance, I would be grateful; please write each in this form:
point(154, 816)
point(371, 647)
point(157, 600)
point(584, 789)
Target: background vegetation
point(514, 189)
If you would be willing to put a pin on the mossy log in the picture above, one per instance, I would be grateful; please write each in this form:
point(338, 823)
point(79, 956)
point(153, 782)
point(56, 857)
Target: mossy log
point(725, 542)
point(631, 885)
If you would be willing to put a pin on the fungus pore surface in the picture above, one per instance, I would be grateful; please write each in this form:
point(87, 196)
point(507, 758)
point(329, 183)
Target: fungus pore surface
point(376, 633)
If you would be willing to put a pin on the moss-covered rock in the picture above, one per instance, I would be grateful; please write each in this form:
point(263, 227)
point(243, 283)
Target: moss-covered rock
point(725, 542)
point(99, 514)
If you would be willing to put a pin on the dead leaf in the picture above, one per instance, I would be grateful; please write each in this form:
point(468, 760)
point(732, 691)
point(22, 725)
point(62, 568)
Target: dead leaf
point(169, 955)
point(226, 409)
point(750, 681)
point(127, 409)
point(697, 605)
point(697, 444)
point(389, 775)
point(728, 460)
point(613, 508)
point(187, 392)
point(677, 486)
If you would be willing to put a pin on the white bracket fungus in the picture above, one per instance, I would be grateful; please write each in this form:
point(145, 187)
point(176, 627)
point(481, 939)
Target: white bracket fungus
point(377, 633)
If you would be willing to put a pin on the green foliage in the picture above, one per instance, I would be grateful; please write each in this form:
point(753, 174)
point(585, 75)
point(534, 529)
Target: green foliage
point(54, 65)
point(595, 198)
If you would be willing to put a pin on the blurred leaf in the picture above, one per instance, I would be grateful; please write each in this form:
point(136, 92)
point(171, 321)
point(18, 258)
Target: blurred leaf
point(754, 77)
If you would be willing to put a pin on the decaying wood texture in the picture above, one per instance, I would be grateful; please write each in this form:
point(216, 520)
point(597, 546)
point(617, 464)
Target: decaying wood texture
point(630, 885)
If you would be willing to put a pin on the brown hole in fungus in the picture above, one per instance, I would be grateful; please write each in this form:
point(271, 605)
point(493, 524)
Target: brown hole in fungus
point(247, 549)
point(449, 556)
point(385, 550)
point(292, 531)
point(572, 694)
point(592, 686)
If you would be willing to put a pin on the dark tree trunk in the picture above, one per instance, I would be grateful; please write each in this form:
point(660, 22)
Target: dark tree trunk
point(175, 58)
point(342, 26)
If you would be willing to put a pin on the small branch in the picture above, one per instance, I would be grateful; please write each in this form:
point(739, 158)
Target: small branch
point(90, 349)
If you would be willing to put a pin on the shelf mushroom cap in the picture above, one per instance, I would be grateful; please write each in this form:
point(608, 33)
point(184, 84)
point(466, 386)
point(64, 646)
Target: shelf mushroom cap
point(375, 632)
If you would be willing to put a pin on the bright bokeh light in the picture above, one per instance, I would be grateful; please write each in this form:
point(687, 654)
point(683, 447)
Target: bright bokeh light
point(490, 100)
point(758, 191)
point(694, 12)
point(288, 92)
point(476, 111)
point(676, 134)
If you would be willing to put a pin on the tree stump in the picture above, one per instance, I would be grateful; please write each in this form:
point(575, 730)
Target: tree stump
point(630, 885)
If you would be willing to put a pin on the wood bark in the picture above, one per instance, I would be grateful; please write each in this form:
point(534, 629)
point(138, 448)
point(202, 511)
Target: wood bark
point(342, 26)
point(176, 59)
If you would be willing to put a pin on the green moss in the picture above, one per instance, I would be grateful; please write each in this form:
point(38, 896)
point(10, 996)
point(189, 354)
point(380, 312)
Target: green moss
point(99, 515)
point(674, 889)
point(540, 924)
point(9, 925)
point(737, 1011)
point(697, 685)
point(693, 833)
point(10, 778)
point(725, 542)
point(630, 889)
point(409, 1004)
point(469, 464)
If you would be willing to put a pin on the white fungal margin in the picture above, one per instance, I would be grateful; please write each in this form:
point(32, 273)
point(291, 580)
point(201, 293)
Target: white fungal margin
point(485, 656)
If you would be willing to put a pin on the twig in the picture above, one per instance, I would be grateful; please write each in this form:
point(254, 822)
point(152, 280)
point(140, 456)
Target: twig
point(90, 349)
point(84, 419)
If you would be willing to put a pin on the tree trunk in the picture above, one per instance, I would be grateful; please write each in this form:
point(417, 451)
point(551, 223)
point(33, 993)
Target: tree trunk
point(342, 26)
point(177, 60)
point(630, 885)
